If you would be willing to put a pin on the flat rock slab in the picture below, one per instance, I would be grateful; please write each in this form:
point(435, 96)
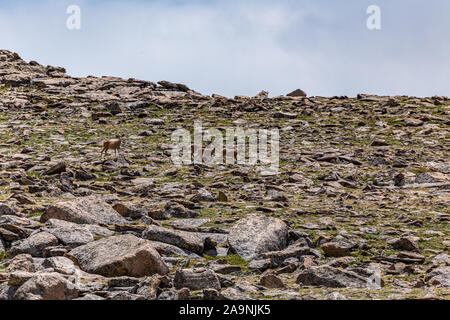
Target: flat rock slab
point(331, 277)
point(190, 241)
point(124, 255)
point(257, 234)
point(168, 250)
point(68, 233)
point(86, 210)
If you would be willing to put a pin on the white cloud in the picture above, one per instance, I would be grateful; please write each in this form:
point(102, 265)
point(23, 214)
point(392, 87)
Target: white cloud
point(241, 47)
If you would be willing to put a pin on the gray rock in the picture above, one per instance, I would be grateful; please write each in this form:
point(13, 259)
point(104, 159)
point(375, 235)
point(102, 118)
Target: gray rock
point(234, 294)
point(203, 195)
point(55, 169)
point(124, 296)
point(188, 223)
point(2, 245)
point(442, 258)
point(211, 295)
point(190, 241)
point(254, 235)
point(405, 243)
point(331, 277)
point(6, 291)
point(86, 210)
point(285, 115)
point(148, 288)
point(173, 209)
point(337, 248)
point(168, 249)
point(196, 279)
point(90, 296)
point(6, 210)
point(98, 231)
point(335, 296)
point(21, 262)
point(297, 93)
point(17, 278)
point(34, 244)
point(68, 233)
point(122, 282)
point(60, 263)
point(262, 264)
point(225, 268)
point(46, 286)
point(168, 295)
point(119, 256)
point(134, 211)
point(294, 251)
point(439, 277)
point(271, 281)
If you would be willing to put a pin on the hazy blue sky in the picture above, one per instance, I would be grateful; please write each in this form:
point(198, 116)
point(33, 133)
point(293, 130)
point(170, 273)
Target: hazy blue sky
point(243, 46)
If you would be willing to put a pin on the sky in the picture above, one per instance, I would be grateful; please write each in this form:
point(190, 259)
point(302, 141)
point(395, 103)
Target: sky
point(240, 47)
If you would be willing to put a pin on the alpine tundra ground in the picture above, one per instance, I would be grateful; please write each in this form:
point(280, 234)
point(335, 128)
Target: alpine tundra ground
point(359, 209)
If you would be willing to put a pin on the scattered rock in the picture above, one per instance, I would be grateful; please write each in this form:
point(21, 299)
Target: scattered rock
point(56, 169)
point(46, 286)
point(196, 279)
point(34, 244)
point(119, 256)
point(68, 233)
point(331, 277)
point(186, 240)
point(271, 281)
point(439, 277)
point(337, 249)
point(405, 243)
point(297, 93)
point(254, 235)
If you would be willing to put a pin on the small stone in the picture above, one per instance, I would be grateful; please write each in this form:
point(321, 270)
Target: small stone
point(297, 93)
point(405, 243)
point(55, 169)
point(271, 281)
point(34, 245)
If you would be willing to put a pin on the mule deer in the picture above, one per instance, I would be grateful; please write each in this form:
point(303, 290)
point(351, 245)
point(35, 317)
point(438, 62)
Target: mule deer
point(111, 145)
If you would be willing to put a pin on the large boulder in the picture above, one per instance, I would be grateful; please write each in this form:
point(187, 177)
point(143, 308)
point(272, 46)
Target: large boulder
point(86, 210)
point(46, 286)
point(257, 234)
point(34, 244)
point(119, 256)
point(68, 233)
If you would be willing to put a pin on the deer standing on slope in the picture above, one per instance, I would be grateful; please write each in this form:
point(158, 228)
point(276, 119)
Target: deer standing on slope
point(111, 145)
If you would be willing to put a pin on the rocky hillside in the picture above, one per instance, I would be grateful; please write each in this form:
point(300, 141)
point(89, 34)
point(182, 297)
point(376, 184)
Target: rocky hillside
point(360, 209)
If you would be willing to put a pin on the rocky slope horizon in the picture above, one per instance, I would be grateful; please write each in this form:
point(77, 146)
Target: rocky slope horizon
point(359, 210)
